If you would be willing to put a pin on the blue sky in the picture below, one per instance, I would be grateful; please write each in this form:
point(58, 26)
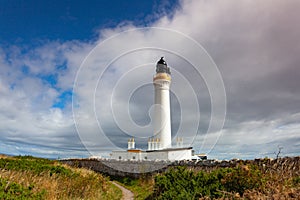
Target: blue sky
point(29, 21)
point(102, 55)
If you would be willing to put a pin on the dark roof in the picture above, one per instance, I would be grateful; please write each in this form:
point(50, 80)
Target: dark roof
point(162, 61)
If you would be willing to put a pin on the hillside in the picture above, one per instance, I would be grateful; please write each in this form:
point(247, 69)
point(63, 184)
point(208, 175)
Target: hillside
point(236, 179)
point(36, 178)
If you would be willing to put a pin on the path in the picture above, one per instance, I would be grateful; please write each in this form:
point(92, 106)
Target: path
point(126, 194)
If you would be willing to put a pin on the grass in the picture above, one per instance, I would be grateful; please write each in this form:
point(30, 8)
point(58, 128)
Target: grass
point(36, 178)
point(142, 187)
point(13, 190)
point(245, 181)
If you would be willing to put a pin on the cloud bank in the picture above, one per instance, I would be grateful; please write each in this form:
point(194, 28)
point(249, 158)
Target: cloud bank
point(254, 44)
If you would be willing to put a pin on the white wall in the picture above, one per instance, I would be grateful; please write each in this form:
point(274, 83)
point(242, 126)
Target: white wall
point(185, 154)
point(172, 155)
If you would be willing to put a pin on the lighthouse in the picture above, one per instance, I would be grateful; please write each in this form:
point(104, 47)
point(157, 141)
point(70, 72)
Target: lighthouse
point(160, 144)
point(162, 120)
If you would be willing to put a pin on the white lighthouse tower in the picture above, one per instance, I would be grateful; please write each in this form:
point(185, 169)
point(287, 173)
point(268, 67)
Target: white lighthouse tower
point(160, 144)
point(162, 121)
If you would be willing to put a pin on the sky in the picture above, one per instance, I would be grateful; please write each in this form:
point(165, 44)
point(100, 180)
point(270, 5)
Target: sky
point(76, 77)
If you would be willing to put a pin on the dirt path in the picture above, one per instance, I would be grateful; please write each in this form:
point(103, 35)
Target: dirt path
point(126, 194)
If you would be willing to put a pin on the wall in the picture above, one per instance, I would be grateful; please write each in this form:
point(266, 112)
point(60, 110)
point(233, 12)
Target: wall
point(119, 167)
point(172, 155)
point(180, 155)
point(140, 168)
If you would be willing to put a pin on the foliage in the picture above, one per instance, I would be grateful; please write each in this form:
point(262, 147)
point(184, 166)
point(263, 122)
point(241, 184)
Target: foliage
point(12, 190)
point(182, 183)
point(141, 187)
point(36, 178)
point(251, 179)
point(128, 181)
point(244, 178)
point(35, 165)
point(296, 180)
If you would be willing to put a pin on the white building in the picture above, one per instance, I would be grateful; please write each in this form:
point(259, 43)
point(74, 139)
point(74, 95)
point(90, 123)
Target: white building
point(160, 145)
point(170, 154)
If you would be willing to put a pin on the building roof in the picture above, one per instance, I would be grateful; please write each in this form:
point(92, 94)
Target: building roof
point(134, 150)
point(171, 149)
point(160, 150)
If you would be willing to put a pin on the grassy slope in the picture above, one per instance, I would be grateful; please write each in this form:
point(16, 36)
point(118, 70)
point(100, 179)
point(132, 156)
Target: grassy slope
point(35, 178)
point(246, 181)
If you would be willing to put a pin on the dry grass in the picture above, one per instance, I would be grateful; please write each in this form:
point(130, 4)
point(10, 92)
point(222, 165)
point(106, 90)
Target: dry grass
point(82, 184)
point(279, 185)
point(281, 182)
point(3, 156)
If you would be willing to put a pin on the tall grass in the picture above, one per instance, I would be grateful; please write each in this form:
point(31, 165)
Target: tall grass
point(141, 187)
point(44, 179)
point(246, 181)
point(264, 179)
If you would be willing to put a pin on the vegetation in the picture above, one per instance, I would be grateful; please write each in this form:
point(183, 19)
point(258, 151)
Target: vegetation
point(13, 190)
point(181, 183)
point(241, 182)
point(265, 179)
point(36, 178)
point(141, 187)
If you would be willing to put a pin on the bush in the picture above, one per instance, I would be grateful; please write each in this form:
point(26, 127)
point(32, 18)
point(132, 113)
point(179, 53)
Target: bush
point(296, 180)
point(182, 183)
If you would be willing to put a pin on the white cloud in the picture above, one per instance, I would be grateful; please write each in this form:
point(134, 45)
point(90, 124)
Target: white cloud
point(255, 45)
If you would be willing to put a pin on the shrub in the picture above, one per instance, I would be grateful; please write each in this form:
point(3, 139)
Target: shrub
point(296, 180)
point(240, 179)
point(182, 183)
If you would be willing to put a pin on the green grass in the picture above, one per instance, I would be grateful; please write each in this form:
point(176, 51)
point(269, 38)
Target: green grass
point(246, 181)
point(115, 192)
point(36, 178)
point(13, 190)
point(142, 187)
point(182, 183)
point(35, 165)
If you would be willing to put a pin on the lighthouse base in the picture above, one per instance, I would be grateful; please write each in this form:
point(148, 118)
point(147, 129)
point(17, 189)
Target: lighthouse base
point(170, 154)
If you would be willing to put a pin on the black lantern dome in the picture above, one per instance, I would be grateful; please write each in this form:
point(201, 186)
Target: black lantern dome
point(161, 66)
